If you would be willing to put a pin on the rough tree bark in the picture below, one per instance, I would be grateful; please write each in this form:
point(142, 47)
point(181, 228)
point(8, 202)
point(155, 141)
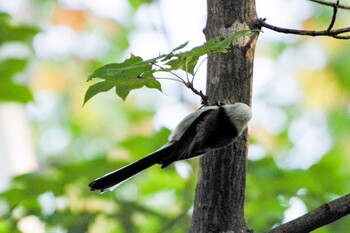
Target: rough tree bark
point(219, 202)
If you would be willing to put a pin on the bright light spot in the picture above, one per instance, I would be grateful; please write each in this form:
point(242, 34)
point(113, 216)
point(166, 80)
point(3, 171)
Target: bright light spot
point(113, 9)
point(296, 209)
point(17, 50)
point(311, 56)
point(86, 148)
point(302, 192)
point(44, 106)
point(4, 208)
point(256, 152)
point(270, 81)
point(31, 224)
point(128, 192)
point(289, 14)
point(89, 46)
point(190, 211)
point(154, 42)
point(16, 141)
point(286, 91)
point(183, 169)
point(61, 203)
point(170, 116)
point(311, 139)
point(187, 25)
point(47, 202)
point(11, 6)
point(54, 140)
point(162, 199)
point(61, 41)
point(263, 75)
point(271, 118)
point(57, 42)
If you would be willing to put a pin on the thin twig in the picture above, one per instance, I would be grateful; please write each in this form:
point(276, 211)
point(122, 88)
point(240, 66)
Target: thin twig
point(177, 76)
point(334, 16)
point(172, 79)
point(332, 33)
point(195, 72)
point(188, 80)
point(323, 215)
point(200, 93)
point(330, 4)
point(342, 37)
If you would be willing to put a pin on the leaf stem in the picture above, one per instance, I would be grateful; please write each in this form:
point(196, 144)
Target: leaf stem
point(195, 72)
point(188, 80)
point(171, 72)
point(172, 79)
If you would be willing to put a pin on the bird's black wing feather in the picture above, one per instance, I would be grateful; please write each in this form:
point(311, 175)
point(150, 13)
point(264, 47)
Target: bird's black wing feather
point(215, 132)
point(180, 149)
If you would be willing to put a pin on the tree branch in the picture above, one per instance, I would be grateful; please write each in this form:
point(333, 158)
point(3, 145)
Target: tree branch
point(323, 215)
point(332, 33)
point(334, 16)
point(336, 33)
point(200, 93)
point(330, 4)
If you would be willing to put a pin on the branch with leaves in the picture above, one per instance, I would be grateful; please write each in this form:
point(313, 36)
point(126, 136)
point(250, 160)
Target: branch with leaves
point(335, 33)
point(136, 72)
point(325, 214)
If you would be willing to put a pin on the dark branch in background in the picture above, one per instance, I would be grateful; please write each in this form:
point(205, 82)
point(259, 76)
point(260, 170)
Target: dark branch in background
point(334, 16)
point(340, 207)
point(336, 33)
point(330, 4)
point(317, 218)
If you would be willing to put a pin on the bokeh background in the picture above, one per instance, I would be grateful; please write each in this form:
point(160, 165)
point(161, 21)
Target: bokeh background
point(51, 146)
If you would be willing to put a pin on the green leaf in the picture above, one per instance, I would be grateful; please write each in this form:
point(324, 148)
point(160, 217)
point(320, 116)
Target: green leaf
point(97, 88)
point(10, 67)
point(180, 47)
point(133, 66)
point(123, 89)
point(132, 74)
point(137, 3)
point(15, 92)
point(21, 33)
point(10, 90)
point(188, 60)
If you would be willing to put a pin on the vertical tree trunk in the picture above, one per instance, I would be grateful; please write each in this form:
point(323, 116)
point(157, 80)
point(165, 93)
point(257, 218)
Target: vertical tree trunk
point(219, 202)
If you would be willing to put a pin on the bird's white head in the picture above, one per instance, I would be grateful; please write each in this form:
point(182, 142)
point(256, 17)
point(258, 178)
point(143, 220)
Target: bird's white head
point(239, 115)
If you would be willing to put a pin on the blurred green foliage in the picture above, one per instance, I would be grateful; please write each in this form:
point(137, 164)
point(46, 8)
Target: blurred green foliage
point(60, 198)
point(10, 88)
point(159, 200)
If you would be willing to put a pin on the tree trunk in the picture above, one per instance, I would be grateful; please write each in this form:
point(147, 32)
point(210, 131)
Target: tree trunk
point(219, 202)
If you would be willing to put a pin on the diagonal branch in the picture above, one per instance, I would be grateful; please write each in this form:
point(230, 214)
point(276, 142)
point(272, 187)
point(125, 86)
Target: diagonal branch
point(332, 33)
point(336, 33)
point(323, 215)
point(330, 4)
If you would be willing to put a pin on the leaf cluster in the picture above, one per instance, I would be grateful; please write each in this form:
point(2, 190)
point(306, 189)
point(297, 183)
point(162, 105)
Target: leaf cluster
point(135, 72)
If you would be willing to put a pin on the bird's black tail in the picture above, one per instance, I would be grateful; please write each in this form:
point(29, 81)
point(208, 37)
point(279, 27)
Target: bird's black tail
point(111, 179)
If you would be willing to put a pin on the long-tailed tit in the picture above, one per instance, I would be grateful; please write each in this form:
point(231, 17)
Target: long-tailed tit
point(209, 128)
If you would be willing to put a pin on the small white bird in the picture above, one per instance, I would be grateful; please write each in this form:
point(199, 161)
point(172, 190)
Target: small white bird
point(209, 128)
